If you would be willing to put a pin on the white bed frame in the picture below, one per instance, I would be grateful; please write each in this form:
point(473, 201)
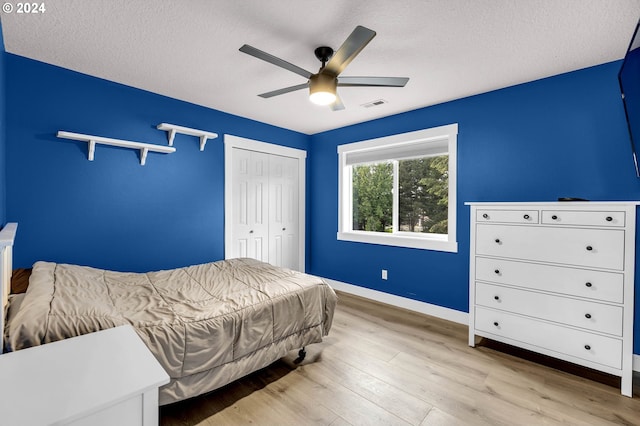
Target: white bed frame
point(7, 236)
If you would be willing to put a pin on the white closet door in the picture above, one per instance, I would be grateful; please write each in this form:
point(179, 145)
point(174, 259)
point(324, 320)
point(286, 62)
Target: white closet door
point(283, 211)
point(264, 202)
point(250, 221)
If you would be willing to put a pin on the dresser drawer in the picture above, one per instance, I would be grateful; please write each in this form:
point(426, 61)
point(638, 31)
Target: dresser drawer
point(507, 216)
point(562, 340)
point(576, 312)
point(586, 218)
point(599, 285)
point(596, 248)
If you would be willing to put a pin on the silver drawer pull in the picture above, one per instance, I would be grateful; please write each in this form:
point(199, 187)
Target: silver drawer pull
point(587, 347)
point(589, 248)
point(587, 316)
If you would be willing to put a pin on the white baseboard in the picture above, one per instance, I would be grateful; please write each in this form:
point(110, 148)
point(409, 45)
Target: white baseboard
point(402, 302)
point(417, 306)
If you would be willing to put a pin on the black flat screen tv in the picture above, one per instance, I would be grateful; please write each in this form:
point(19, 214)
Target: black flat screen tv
point(629, 79)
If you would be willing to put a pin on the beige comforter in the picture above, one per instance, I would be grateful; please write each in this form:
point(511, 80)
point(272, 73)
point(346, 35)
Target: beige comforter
point(206, 324)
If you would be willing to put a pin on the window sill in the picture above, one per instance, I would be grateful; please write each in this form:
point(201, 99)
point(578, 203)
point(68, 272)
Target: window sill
point(400, 241)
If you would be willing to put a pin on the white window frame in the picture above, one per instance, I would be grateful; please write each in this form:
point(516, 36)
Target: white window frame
point(439, 242)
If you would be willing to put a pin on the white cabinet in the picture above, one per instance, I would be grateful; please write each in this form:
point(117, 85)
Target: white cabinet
point(105, 378)
point(558, 279)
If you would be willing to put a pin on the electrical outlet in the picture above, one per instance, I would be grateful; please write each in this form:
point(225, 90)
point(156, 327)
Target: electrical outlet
point(384, 274)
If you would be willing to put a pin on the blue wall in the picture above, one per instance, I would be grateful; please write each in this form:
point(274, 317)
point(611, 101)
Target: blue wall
point(112, 212)
point(630, 84)
point(557, 137)
point(3, 127)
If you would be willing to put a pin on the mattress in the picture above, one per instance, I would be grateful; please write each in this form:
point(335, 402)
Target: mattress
point(206, 324)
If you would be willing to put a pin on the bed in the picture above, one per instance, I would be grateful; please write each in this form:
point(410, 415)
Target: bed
point(207, 325)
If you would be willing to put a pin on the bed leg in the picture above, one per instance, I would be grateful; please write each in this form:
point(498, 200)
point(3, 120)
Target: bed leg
point(301, 354)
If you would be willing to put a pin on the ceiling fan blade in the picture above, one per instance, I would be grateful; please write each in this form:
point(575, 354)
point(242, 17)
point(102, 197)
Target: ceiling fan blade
point(284, 90)
point(337, 105)
point(356, 41)
point(250, 50)
point(373, 81)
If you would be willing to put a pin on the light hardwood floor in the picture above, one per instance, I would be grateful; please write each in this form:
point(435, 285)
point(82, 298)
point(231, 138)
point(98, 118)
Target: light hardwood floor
point(382, 365)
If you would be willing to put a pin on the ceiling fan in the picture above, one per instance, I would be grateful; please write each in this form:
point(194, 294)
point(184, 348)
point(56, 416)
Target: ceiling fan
point(323, 84)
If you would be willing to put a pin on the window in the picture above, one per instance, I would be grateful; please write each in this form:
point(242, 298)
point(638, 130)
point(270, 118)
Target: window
point(400, 190)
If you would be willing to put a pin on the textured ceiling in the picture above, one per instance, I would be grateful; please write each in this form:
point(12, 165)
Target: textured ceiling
point(188, 49)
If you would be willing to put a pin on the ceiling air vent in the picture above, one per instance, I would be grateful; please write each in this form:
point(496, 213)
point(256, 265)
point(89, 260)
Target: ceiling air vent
point(375, 103)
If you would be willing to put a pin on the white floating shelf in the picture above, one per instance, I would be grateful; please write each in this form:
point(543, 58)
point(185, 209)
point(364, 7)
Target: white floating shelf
point(93, 140)
point(173, 129)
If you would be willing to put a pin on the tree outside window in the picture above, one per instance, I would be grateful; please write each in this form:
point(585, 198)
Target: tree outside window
point(373, 197)
point(423, 195)
point(423, 191)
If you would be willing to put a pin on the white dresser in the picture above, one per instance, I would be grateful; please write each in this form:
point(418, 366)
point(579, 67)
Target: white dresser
point(556, 278)
point(105, 378)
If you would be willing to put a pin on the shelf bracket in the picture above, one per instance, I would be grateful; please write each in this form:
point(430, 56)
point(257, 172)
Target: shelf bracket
point(172, 135)
point(143, 155)
point(92, 150)
point(203, 142)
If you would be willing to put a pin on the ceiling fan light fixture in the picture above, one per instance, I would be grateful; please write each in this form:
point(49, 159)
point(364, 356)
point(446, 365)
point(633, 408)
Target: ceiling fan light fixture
point(322, 98)
point(322, 89)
